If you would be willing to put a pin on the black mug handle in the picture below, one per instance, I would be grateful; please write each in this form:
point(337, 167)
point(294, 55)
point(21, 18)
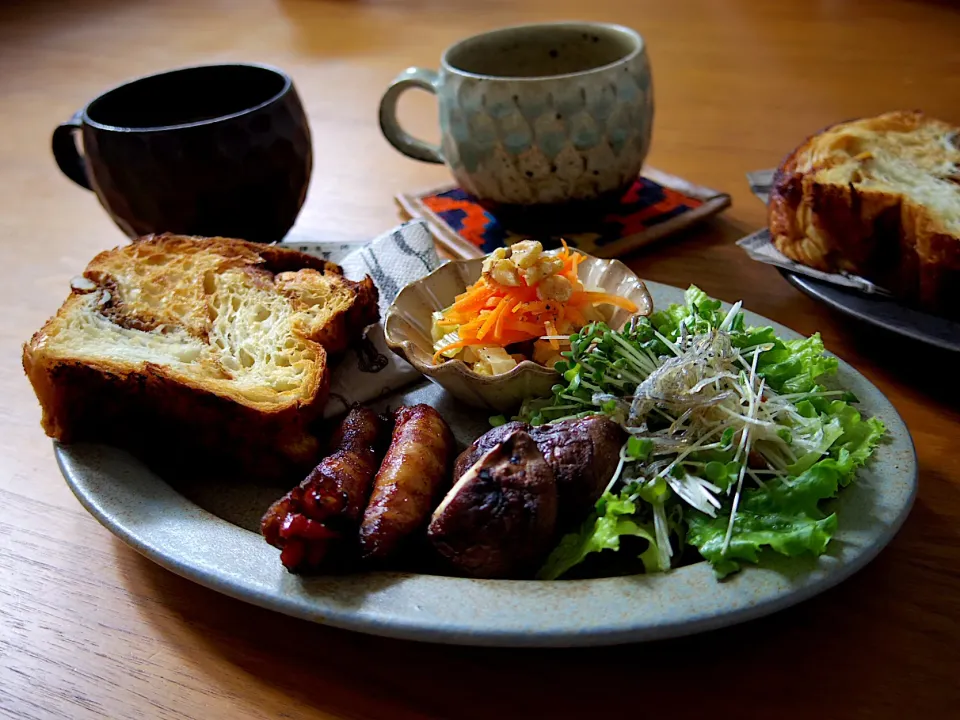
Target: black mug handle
point(71, 162)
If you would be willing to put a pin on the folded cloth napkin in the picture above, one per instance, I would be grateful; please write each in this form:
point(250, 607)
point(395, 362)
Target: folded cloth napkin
point(759, 246)
point(393, 260)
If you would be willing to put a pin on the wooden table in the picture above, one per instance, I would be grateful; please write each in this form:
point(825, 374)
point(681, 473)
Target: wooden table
point(88, 628)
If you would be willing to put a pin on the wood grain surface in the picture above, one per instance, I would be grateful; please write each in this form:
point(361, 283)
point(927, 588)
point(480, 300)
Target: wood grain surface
point(90, 629)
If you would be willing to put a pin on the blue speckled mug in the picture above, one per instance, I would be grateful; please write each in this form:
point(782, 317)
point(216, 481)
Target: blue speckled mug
point(536, 115)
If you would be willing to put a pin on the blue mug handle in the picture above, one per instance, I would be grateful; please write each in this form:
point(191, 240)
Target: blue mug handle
point(68, 157)
point(398, 137)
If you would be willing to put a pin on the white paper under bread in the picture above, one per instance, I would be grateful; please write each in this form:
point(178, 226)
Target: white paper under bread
point(759, 246)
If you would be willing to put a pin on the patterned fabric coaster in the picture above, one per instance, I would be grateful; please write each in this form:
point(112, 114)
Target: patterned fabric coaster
point(657, 205)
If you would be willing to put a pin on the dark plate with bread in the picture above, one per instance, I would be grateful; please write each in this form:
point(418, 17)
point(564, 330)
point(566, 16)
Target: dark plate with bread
point(881, 311)
point(878, 197)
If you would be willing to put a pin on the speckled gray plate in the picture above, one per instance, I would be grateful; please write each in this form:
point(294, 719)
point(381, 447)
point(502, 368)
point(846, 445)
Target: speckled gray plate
point(211, 539)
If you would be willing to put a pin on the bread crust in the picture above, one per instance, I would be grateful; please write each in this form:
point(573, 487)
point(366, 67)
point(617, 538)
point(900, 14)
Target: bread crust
point(879, 234)
point(142, 406)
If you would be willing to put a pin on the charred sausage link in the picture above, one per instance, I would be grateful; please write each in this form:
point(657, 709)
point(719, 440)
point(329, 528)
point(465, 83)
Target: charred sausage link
point(414, 474)
point(314, 518)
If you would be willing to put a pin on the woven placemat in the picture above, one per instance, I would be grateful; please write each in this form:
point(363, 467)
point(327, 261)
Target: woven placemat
point(656, 206)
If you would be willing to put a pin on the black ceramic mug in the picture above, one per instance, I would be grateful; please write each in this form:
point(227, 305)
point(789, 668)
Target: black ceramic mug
point(209, 150)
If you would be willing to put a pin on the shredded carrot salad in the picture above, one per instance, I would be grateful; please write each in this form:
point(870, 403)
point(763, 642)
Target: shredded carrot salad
point(490, 314)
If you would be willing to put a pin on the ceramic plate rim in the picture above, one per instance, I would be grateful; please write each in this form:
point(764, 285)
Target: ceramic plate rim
point(147, 514)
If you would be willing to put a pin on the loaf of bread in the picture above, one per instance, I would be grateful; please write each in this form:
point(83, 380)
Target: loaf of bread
point(210, 347)
point(878, 197)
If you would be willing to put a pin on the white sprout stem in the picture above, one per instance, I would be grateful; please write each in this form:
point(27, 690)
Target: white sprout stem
point(616, 473)
point(756, 479)
point(694, 490)
point(673, 348)
point(747, 418)
point(679, 421)
point(728, 320)
point(707, 484)
point(750, 413)
point(716, 378)
point(733, 510)
point(666, 416)
point(692, 448)
point(783, 458)
point(776, 462)
point(710, 446)
point(642, 361)
point(624, 375)
point(693, 500)
point(743, 468)
point(753, 352)
point(708, 496)
point(662, 534)
point(590, 386)
point(653, 358)
point(794, 396)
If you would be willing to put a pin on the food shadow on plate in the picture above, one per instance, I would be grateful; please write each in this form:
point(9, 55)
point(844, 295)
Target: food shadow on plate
point(229, 494)
point(242, 501)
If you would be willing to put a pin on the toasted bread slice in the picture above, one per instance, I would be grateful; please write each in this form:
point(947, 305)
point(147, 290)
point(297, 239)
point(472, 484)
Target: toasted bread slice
point(879, 197)
point(206, 344)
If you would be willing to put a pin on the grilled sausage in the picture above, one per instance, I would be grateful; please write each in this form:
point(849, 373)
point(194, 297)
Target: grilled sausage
point(319, 515)
point(414, 473)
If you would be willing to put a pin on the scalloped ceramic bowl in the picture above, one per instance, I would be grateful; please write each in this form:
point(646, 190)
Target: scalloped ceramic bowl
point(408, 321)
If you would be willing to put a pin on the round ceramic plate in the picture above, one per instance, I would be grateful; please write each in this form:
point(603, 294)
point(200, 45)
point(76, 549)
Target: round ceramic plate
point(211, 539)
point(881, 311)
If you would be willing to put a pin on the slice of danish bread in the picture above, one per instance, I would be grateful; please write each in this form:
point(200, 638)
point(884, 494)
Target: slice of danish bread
point(206, 344)
point(879, 197)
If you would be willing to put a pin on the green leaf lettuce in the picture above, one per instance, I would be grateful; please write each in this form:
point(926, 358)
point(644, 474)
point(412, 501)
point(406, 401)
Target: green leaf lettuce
point(612, 519)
